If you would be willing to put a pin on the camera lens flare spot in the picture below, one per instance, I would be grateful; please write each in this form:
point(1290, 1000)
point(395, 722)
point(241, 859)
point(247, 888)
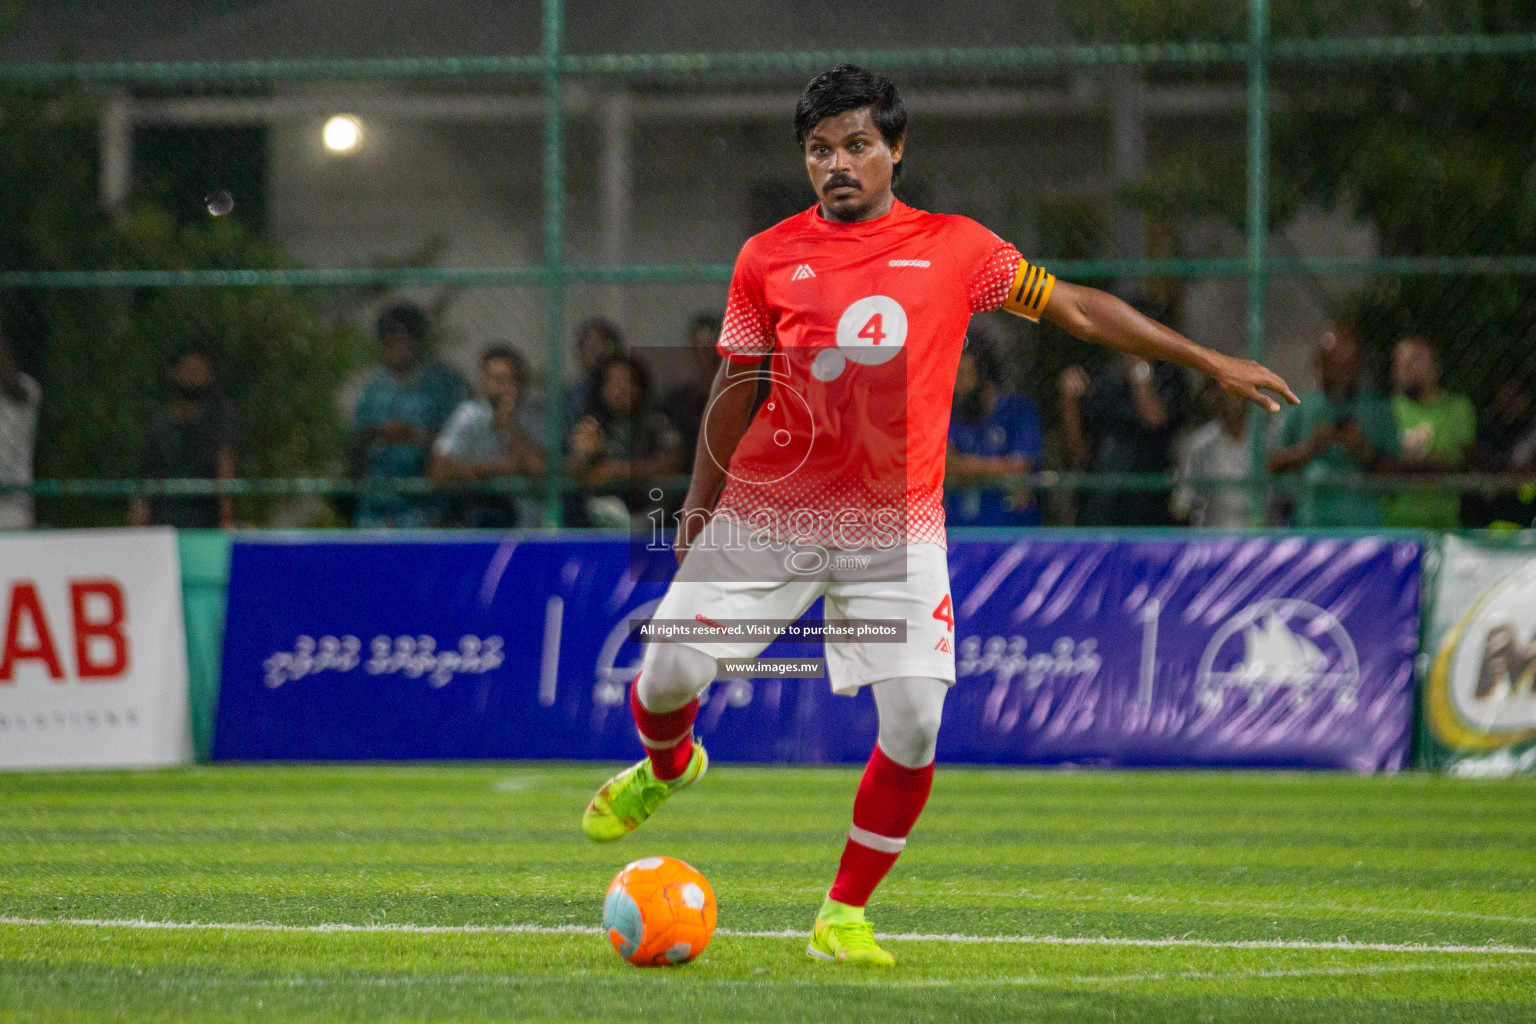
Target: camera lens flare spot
point(220, 203)
point(829, 365)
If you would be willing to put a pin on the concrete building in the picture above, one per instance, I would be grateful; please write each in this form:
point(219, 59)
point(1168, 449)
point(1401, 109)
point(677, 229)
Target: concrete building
point(666, 168)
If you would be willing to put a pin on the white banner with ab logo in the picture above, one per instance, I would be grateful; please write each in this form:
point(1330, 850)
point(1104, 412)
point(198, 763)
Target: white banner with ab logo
point(93, 660)
point(1480, 690)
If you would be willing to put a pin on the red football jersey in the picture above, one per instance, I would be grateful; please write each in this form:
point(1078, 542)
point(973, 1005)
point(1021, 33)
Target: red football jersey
point(865, 323)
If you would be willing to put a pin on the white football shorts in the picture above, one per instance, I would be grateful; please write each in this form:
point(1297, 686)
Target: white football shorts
point(733, 572)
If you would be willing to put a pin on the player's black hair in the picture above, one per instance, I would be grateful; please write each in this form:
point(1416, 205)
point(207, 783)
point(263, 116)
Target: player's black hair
point(849, 87)
point(407, 318)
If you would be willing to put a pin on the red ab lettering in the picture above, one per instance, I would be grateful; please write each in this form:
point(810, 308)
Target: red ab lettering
point(98, 614)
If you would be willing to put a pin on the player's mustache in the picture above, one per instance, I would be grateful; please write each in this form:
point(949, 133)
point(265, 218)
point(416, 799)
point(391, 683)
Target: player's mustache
point(838, 180)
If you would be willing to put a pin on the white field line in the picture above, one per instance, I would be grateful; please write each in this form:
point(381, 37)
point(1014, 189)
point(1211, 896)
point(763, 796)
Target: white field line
point(862, 980)
point(1049, 981)
point(1328, 908)
point(1302, 972)
point(581, 929)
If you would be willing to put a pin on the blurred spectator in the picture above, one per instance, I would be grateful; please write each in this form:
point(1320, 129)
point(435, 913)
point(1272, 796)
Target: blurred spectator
point(404, 405)
point(992, 433)
point(1506, 443)
point(532, 403)
point(1506, 430)
point(483, 440)
point(623, 440)
point(1222, 449)
point(20, 397)
point(195, 437)
point(598, 343)
point(684, 405)
point(1337, 428)
point(1124, 420)
point(1435, 429)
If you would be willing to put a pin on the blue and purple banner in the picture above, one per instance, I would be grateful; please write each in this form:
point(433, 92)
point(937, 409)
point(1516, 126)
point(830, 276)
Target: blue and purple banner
point(1249, 651)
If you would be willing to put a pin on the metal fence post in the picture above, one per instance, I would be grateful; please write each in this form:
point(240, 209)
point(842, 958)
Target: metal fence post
point(1258, 221)
point(554, 257)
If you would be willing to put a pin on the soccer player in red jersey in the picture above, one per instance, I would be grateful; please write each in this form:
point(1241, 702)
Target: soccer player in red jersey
point(855, 311)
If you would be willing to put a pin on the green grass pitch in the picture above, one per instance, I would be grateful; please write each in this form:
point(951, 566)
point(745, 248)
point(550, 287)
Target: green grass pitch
point(1059, 896)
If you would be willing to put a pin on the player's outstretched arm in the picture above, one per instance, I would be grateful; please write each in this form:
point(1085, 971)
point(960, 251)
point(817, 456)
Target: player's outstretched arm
point(1099, 317)
point(726, 416)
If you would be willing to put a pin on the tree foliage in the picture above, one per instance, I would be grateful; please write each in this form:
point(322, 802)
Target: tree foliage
point(1438, 155)
point(100, 353)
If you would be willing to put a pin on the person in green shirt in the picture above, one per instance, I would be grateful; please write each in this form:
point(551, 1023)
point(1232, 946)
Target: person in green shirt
point(1436, 431)
point(1337, 429)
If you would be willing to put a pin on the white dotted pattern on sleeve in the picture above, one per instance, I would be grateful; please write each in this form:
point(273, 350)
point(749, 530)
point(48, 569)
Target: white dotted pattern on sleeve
point(989, 288)
point(747, 329)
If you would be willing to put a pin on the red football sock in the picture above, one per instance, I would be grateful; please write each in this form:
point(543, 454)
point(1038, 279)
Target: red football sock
point(890, 798)
point(668, 736)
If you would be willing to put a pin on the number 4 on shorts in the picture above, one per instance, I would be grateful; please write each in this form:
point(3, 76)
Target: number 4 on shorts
point(945, 613)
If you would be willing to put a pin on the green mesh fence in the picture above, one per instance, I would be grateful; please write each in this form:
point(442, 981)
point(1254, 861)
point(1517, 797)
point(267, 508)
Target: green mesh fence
point(262, 183)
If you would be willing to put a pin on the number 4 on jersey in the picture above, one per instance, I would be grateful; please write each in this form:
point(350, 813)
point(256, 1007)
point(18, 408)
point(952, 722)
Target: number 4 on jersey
point(945, 613)
point(874, 331)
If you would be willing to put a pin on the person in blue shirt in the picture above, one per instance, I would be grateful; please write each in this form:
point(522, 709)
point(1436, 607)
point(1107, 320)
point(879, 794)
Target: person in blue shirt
point(404, 405)
point(992, 433)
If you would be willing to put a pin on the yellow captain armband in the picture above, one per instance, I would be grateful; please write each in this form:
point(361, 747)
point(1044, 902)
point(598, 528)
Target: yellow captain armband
point(1030, 291)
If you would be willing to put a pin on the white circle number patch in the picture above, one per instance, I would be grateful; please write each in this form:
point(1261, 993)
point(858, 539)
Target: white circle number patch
point(872, 330)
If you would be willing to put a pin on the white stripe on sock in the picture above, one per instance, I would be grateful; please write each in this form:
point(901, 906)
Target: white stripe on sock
point(651, 744)
point(885, 844)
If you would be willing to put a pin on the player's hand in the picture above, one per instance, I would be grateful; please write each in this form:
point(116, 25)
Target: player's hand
point(1074, 383)
point(1247, 379)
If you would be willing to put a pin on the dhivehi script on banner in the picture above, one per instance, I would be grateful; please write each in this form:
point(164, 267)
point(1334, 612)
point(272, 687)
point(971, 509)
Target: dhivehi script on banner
point(93, 665)
point(1218, 651)
point(1480, 691)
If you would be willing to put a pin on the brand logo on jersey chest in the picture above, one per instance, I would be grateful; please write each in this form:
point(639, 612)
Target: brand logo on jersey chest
point(910, 263)
point(802, 272)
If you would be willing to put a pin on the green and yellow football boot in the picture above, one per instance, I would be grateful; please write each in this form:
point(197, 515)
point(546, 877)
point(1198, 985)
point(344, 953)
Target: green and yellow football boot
point(842, 936)
point(627, 799)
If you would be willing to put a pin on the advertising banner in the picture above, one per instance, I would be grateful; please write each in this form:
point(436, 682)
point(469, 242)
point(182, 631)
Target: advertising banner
point(93, 663)
point(444, 647)
point(1266, 651)
point(1255, 651)
point(1480, 638)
